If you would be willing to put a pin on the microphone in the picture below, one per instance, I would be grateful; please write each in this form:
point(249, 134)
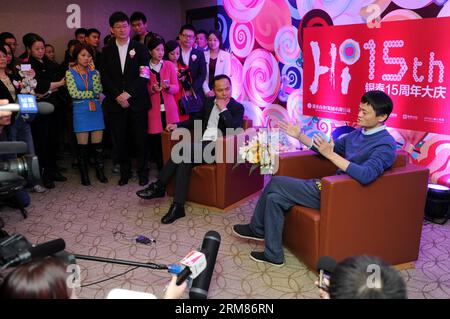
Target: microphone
point(13, 147)
point(39, 251)
point(43, 108)
point(210, 246)
point(325, 267)
point(194, 264)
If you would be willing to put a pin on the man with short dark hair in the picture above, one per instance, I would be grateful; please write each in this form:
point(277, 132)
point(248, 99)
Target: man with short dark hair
point(80, 34)
point(126, 95)
point(201, 40)
point(10, 39)
point(194, 61)
point(365, 277)
point(219, 113)
point(364, 154)
point(139, 25)
point(93, 40)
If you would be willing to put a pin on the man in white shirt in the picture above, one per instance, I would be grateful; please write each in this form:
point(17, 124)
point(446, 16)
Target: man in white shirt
point(219, 113)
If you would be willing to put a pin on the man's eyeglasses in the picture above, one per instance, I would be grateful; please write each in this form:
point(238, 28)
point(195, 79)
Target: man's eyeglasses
point(188, 36)
point(121, 27)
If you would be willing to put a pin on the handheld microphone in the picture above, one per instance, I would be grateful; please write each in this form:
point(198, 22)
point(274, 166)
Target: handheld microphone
point(42, 107)
point(200, 285)
point(194, 264)
point(39, 251)
point(13, 147)
point(325, 267)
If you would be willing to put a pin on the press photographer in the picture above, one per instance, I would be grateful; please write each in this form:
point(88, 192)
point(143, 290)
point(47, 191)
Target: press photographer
point(359, 277)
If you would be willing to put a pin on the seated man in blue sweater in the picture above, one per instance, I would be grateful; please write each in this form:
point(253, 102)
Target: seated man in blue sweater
point(364, 154)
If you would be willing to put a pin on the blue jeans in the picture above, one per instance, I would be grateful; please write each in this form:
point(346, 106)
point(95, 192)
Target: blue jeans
point(21, 131)
point(280, 195)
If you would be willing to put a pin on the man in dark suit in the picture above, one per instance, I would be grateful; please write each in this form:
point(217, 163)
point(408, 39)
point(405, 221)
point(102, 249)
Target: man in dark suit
point(194, 60)
point(220, 113)
point(126, 93)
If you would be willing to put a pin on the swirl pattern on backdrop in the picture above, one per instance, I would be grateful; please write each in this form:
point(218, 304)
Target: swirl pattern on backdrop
point(254, 113)
point(243, 10)
point(349, 51)
point(236, 78)
point(408, 4)
point(324, 126)
point(223, 26)
point(295, 75)
point(261, 77)
point(272, 17)
point(445, 11)
point(333, 7)
point(401, 14)
point(287, 49)
point(293, 9)
point(314, 18)
point(242, 38)
point(273, 114)
point(295, 105)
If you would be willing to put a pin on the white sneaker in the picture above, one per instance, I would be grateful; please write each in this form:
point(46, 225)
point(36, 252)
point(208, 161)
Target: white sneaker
point(39, 189)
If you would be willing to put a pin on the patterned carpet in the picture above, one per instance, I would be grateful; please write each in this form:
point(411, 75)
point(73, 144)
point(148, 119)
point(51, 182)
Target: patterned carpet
point(87, 217)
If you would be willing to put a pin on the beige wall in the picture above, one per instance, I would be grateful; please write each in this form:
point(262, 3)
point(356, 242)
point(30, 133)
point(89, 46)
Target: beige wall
point(48, 18)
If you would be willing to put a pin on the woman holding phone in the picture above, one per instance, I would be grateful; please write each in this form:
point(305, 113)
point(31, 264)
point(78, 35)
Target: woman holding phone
point(162, 87)
point(85, 87)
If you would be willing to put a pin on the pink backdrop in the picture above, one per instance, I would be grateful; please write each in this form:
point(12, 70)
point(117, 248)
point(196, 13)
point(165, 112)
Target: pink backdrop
point(266, 40)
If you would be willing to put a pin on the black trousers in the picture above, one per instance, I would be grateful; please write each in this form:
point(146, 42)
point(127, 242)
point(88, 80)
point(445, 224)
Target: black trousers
point(155, 144)
point(45, 141)
point(182, 171)
point(130, 128)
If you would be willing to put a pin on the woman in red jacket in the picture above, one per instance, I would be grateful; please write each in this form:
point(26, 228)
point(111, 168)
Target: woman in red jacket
point(162, 87)
point(172, 54)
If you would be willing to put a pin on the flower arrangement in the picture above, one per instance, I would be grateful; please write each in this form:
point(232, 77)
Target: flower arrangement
point(262, 151)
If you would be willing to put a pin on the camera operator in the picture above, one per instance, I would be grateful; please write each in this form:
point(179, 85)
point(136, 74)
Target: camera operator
point(363, 277)
point(12, 84)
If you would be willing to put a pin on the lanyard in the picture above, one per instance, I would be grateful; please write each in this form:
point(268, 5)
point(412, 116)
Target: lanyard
point(85, 80)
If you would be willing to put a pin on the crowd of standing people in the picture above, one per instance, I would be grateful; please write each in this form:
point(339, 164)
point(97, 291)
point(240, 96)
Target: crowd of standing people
point(120, 97)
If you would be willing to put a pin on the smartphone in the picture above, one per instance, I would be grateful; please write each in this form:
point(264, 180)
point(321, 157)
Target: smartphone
point(144, 72)
point(25, 67)
point(144, 240)
point(324, 280)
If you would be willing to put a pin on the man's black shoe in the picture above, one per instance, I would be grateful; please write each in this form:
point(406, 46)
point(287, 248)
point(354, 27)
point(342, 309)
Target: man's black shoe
point(57, 176)
point(124, 178)
point(244, 231)
point(48, 183)
point(175, 211)
point(154, 190)
point(259, 257)
point(143, 180)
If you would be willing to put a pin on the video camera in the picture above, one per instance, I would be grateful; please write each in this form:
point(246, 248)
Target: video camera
point(16, 250)
point(16, 172)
